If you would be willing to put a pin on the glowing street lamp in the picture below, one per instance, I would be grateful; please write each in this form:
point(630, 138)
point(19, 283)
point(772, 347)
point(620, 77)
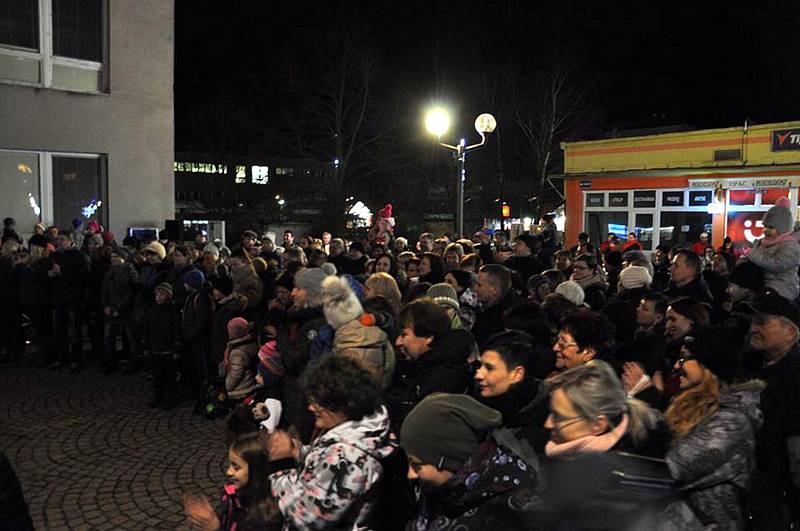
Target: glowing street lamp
point(437, 122)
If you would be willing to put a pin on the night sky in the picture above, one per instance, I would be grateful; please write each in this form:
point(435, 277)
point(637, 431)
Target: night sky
point(708, 65)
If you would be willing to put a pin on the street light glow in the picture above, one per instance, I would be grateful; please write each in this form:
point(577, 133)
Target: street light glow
point(437, 121)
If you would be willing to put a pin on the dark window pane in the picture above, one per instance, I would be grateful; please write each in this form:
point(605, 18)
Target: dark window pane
point(683, 228)
point(19, 23)
point(76, 29)
point(77, 190)
point(599, 224)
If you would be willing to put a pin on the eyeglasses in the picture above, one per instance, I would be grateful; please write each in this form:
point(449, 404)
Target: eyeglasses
point(563, 344)
point(687, 357)
point(561, 421)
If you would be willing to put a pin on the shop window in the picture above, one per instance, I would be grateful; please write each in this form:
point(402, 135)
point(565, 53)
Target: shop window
point(683, 228)
point(743, 197)
point(770, 195)
point(78, 190)
point(599, 224)
point(745, 228)
point(644, 230)
point(21, 197)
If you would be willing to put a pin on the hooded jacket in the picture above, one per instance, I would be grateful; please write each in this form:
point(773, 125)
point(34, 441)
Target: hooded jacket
point(713, 463)
point(367, 343)
point(495, 489)
point(332, 486)
point(780, 261)
point(239, 378)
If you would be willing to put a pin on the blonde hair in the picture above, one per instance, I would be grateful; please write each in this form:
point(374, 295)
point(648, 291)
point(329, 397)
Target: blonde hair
point(693, 405)
point(385, 285)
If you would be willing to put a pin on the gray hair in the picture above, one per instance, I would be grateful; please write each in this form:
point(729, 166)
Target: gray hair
point(594, 390)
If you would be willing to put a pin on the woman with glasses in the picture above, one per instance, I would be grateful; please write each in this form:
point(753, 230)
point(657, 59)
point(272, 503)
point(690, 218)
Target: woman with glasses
point(587, 273)
point(714, 423)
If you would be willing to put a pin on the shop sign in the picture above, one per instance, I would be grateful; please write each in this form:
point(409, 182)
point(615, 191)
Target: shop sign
point(586, 184)
point(619, 199)
point(786, 140)
point(595, 200)
point(644, 199)
point(699, 198)
point(745, 183)
point(672, 199)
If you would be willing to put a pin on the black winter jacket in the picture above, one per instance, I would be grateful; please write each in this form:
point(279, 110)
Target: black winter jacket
point(161, 328)
point(69, 288)
point(490, 319)
point(119, 288)
point(196, 316)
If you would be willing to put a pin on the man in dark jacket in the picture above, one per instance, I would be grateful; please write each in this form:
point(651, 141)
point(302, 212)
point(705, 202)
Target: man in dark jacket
point(524, 260)
point(69, 275)
point(117, 298)
point(774, 335)
point(161, 329)
point(686, 278)
point(494, 291)
point(429, 366)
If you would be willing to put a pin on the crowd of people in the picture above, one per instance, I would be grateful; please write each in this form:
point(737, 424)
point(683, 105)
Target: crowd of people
point(450, 384)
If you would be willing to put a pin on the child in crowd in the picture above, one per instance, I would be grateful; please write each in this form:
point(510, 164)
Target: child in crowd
point(246, 500)
point(239, 360)
point(117, 297)
point(162, 344)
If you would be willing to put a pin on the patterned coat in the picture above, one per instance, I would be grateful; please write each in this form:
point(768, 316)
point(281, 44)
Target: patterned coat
point(332, 487)
point(713, 464)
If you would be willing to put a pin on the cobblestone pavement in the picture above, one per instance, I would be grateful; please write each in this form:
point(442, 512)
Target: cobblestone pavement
point(91, 455)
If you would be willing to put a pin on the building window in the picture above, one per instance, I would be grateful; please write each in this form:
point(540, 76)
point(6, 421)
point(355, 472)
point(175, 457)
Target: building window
point(600, 224)
point(57, 44)
point(683, 228)
point(53, 188)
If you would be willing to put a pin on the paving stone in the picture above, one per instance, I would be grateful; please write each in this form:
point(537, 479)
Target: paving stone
point(91, 455)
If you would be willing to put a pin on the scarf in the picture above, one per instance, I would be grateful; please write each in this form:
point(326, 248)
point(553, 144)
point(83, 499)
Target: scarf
point(588, 444)
point(513, 401)
point(595, 279)
point(780, 238)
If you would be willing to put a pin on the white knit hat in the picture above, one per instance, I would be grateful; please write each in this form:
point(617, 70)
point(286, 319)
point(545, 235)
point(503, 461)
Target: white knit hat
point(572, 291)
point(634, 276)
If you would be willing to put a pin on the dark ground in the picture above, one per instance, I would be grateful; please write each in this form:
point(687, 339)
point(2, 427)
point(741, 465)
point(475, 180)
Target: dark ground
point(91, 455)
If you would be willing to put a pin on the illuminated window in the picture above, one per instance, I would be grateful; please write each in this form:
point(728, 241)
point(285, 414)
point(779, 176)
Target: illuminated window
point(55, 44)
point(259, 174)
point(241, 175)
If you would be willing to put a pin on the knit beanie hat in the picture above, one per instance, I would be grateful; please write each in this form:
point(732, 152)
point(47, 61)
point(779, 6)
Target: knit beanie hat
point(238, 327)
point(270, 364)
point(157, 248)
point(310, 279)
point(460, 424)
point(530, 241)
point(339, 303)
point(165, 286)
point(779, 216)
point(444, 295)
point(747, 275)
point(109, 237)
point(194, 278)
point(212, 249)
point(572, 291)
point(97, 239)
point(717, 349)
point(122, 252)
point(634, 276)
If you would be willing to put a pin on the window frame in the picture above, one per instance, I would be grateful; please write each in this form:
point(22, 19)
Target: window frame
point(46, 180)
point(47, 59)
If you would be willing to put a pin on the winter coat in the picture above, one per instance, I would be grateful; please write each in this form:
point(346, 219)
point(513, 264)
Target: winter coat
point(119, 288)
point(295, 347)
point(496, 489)
point(490, 320)
point(161, 328)
point(69, 287)
point(697, 288)
point(525, 266)
point(332, 486)
point(100, 264)
point(13, 509)
point(239, 378)
point(369, 344)
point(440, 370)
point(196, 316)
point(713, 464)
point(525, 407)
point(150, 276)
point(779, 262)
point(34, 283)
point(246, 282)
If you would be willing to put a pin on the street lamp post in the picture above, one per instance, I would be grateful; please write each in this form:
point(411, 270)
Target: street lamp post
point(437, 121)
